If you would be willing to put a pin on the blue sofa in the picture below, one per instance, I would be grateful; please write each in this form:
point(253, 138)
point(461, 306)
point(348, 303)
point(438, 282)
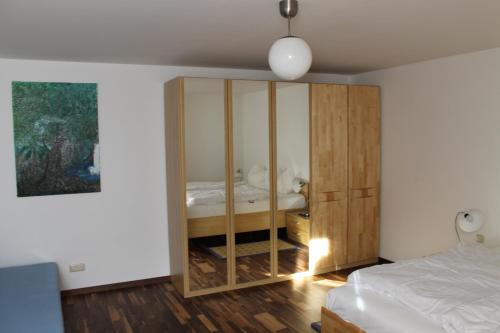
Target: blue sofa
point(30, 301)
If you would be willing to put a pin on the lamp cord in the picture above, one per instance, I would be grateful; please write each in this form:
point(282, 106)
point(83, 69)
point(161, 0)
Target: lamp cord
point(289, 30)
point(456, 227)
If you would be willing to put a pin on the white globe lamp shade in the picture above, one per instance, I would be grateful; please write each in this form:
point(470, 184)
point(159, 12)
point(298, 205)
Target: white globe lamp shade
point(290, 58)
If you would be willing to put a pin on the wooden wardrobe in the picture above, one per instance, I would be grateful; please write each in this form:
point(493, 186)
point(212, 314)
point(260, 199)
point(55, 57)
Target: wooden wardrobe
point(345, 169)
point(341, 189)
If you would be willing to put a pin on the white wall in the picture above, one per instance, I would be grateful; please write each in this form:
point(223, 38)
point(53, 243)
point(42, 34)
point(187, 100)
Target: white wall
point(254, 130)
point(205, 131)
point(292, 128)
point(204, 137)
point(440, 150)
point(120, 233)
point(251, 128)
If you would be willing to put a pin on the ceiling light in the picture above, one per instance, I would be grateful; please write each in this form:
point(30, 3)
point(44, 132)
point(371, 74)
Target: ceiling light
point(290, 57)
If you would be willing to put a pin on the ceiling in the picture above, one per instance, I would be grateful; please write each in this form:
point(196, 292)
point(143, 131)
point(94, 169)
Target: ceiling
point(346, 36)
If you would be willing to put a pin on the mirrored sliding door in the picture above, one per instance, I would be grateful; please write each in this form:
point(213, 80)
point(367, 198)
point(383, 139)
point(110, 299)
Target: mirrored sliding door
point(205, 174)
point(251, 189)
point(292, 154)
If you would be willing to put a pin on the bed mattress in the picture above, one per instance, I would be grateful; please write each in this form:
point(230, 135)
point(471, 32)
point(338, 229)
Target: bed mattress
point(457, 290)
point(285, 201)
point(375, 313)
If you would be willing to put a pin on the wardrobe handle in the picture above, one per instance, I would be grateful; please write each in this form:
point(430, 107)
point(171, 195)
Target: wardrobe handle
point(366, 192)
point(332, 196)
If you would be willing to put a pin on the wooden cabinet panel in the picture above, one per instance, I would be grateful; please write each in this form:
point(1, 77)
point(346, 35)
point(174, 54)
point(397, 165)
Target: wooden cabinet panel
point(328, 243)
point(364, 173)
point(332, 323)
point(363, 229)
point(175, 199)
point(328, 138)
point(329, 162)
point(298, 228)
point(364, 136)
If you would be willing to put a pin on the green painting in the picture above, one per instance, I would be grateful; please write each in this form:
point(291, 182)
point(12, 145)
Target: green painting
point(56, 138)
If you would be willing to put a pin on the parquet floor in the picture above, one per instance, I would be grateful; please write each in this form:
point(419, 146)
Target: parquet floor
point(288, 306)
point(208, 271)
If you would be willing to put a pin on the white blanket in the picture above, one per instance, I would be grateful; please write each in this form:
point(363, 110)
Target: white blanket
point(194, 186)
point(458, 289)
point(376, 313)
point(213, 193)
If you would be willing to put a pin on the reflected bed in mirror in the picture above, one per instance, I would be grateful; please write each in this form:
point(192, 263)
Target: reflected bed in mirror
point(206, 205)
point(206, 202)
point(206, 199)
point(207, 229)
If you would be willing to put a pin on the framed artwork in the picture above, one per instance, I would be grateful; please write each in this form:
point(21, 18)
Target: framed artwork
point(56, 138)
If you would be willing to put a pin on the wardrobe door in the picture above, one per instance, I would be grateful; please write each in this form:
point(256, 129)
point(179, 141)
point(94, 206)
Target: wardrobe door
point(329, 135)
point(252, 183)
point(207, 221)
point(364, 165)
point(292, 156)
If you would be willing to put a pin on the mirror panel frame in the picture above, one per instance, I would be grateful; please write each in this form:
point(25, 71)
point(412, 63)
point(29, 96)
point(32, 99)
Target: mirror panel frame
point(228, 282)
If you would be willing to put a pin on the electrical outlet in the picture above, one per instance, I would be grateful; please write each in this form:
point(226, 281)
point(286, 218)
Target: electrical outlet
point(77, 267)
point(480, 238)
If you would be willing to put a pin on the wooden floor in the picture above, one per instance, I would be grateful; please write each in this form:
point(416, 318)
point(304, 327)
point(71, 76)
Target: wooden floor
point(288, 306)
point(206, 270)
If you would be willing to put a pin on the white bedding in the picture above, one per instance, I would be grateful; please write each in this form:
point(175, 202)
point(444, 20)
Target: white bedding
point(213, 193)
point(458, 290)
point(205, 199)
point(375, 313)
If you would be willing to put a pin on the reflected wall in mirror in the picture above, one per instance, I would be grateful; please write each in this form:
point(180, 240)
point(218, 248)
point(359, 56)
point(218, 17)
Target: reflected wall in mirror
point(252, 215)
point(205, 172)
point(292, 149)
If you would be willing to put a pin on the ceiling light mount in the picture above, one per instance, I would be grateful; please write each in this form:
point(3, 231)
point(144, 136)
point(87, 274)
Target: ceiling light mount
point(289, 8)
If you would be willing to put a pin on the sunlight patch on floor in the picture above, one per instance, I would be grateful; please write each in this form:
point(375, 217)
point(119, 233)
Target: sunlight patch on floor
point(330, 283)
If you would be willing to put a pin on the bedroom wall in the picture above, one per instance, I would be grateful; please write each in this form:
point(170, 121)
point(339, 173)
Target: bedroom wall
point(254, 149)
point(292, 126)
point(252, 133)
point(440, 150)
point(120, 233)
point(204, 135)
point(205, 130)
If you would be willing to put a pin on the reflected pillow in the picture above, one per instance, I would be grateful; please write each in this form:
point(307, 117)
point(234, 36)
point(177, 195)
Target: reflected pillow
point(258, 177)
point(286, 179)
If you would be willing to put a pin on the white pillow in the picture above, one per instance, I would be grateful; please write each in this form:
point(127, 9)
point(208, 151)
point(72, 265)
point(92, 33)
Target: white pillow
point(258, 177)
point(285, 181)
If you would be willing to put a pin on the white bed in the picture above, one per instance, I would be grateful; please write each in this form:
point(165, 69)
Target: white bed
point(454, 291)
point(207, 199)
point(375, 313)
